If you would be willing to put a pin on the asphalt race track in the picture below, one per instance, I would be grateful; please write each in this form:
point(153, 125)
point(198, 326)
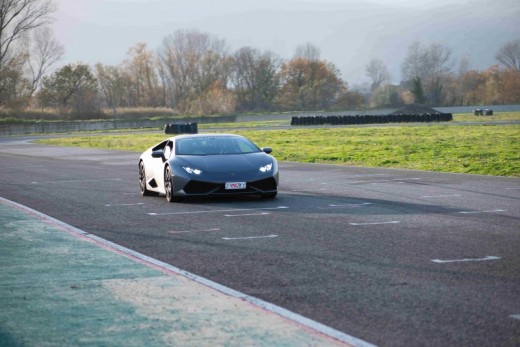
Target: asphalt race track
point(393, 257)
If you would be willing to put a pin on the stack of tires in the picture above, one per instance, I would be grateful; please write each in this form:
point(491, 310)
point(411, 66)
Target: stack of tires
point(188, 128)
point(480, 112)
point(372, 119)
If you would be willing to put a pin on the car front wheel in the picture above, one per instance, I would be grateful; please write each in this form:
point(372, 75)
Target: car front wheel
point(142, 180)
point(168, 186)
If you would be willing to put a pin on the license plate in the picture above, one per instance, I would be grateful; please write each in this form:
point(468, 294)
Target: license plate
point(235, 185)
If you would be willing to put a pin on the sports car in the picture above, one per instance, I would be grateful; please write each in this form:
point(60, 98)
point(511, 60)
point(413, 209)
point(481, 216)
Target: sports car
point(207, 164)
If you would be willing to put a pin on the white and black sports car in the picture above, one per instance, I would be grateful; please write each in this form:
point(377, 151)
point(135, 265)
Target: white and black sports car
point(207, 164)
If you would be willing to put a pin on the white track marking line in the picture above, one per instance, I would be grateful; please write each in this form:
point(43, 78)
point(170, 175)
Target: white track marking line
point(192, 231)
point(476, 212)
point(307, 190)
point(117, 205)
point(249, 237)
point(512, 188)
point(387, 180)
point(441, 196)
point(351, 205)
point(440, 261)
point(376, 223)
point(515, 316)
point(217, 211)
point(154, 263)
point(247, 214)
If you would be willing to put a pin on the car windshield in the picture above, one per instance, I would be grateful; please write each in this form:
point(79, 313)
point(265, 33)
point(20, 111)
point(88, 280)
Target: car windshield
point(214, 145)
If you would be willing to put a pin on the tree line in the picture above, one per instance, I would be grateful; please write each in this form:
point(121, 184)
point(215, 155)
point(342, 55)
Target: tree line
point(195, 73)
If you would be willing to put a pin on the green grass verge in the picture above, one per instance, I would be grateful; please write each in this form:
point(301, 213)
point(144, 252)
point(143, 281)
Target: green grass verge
point(475, 149)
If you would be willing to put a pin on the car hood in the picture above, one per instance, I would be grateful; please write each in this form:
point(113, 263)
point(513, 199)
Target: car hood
point(226, 162)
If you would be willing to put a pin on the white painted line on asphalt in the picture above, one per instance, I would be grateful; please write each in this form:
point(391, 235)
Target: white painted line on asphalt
point(515, 316)
point(440, 261)
point(351, 205)
point(117, 205)
point(476, 212)
point(512, 188)
point(247, 214)
point(192, 231)
point(377, 223)
point(307, 190)
point(154, 263)
point(441, 196)
point(249, 237)
point(217, 211)
point(367, 175)
point(388, 180)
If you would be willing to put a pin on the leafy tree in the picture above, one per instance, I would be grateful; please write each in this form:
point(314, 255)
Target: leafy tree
point(74, 88)
point(309, 85)
point(417, 91)
point(386, 96)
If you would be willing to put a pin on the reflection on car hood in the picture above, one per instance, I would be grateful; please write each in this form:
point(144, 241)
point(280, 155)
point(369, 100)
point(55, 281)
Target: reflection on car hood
point(226, 162)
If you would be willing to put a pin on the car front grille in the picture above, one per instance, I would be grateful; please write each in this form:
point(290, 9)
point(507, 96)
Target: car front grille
point(206, 188)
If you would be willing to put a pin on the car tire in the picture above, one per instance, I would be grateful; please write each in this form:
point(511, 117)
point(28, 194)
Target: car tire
point(168, 186)
point(142, 180)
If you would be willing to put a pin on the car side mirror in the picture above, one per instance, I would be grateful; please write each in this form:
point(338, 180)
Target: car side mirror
point(157, 153)
point(267, 150)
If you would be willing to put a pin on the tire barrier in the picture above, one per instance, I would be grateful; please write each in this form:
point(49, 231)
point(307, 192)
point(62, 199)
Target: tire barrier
point(480, 112)
point(372, 119)
point(188, 128)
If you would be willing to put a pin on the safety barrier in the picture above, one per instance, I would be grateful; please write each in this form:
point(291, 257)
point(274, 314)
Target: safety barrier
point(480, 112)
point(188, 128)
point(372, 119)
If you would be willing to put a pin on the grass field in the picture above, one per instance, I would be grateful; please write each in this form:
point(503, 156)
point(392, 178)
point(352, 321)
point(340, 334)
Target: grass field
point(475, 149)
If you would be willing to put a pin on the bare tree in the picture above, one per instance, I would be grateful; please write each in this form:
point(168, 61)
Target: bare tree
point(17, 18)
point(194, 62)
point(114, 84)
point(145, 81)
point(430, 65)
point(43, 51)
point(376, 70)
point(426, 62)
point(255, 78)
point(307, 51)
point(509, 55)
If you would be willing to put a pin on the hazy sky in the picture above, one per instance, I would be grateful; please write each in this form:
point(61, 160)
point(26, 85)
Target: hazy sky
point(102, 31)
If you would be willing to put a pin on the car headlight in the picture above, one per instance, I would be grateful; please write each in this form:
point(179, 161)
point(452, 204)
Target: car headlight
point(266, 168)
point(192, 170)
